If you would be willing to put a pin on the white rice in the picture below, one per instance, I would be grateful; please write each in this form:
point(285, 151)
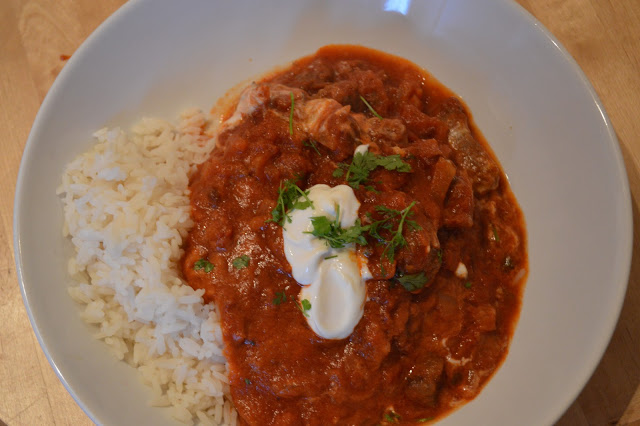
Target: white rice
point(127, 212)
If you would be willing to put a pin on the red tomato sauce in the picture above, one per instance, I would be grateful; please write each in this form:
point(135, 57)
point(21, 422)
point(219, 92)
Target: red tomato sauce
point(417, 353)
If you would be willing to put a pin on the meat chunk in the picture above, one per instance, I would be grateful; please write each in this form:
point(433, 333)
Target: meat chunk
point(496, 228)
point(256, 96)
point(468, 152)
point(443, 173)
point(418, 253)
point(484, 316)
point(447, 318)
point(344, 92)
point(458, 209)
point(330, 124)
point(425, 150)
point(424, 378)
point(421, 251)
point(311, 78)
point(386, 131)
point(423, 126)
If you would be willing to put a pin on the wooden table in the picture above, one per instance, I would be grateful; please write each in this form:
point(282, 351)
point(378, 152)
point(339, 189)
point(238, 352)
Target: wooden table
point(602, 35)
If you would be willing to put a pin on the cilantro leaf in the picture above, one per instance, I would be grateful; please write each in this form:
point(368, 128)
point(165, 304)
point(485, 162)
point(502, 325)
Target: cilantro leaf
point(241, 262)
point(413, 282)
point(304, 307)
point(339, 172)
point(397, 240)
point(203, 264)
point(280, 298)
point(364, 163)
point(388, 231)
point(290, 197)
point(393, 162)
point(392, 417)
point(335, 235)
point(312, 144)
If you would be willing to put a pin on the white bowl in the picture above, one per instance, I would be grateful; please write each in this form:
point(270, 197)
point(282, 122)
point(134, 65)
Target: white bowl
point(528, 97)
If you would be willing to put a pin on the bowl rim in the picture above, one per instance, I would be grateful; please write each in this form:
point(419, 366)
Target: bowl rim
point(19, 192)
point(615, 147)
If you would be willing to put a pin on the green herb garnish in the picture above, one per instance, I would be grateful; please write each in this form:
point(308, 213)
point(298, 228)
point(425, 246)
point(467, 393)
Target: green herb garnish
point(290, 197)
point(364, 163)
point(371, 188)
point(467, 284)
point(291, 116)
point(331, 257)
point(247, 381)
point(334, 235)
point(495, 233)
point(392, 417)
point(426, 419)
point(203, 264)
point(373, 111)
point(393, 222)
point(413, 282)
point(311, 144)
point(241, 262)
point(397, 240)
point(280, 298)
point(388, 232)
point(304, 307)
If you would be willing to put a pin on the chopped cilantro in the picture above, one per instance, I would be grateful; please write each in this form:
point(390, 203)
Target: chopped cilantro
point(247, 381)
point(413, 282)
point(290, 197)
point(334, 235)
point(467, 284)
point(364, 163)
point(241, 262)
point(312, 145)
point(304, 307)
point(392, 417)
point(337, 237)
point(203, 264)
point(373, 111)
point(397, 240)
point(280, 298)
point(495, 233)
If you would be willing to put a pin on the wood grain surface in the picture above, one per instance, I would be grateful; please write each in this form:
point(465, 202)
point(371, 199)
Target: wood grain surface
point(602, 35)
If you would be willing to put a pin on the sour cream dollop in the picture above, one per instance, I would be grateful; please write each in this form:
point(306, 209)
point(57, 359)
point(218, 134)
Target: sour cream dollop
point(333, 280)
